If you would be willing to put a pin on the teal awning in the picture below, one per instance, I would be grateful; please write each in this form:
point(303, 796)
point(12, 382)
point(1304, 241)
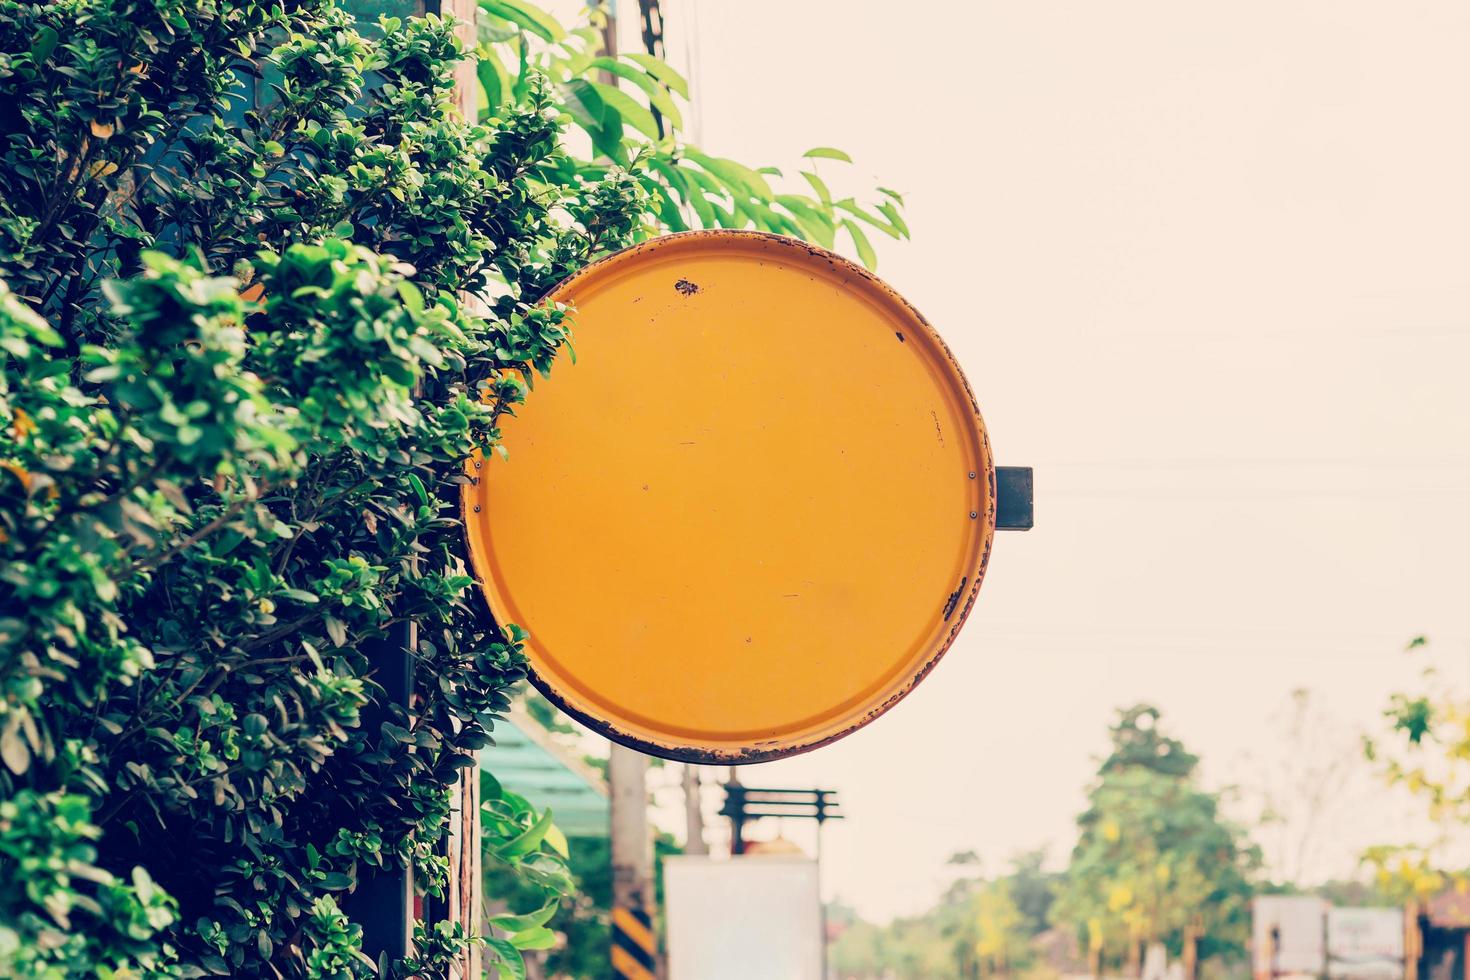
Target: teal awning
point(528, 762)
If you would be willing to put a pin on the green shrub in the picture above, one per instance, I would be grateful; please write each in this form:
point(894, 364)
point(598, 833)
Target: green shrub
point(238, 384)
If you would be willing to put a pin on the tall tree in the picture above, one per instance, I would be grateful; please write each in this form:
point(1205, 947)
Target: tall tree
point(1155, 861)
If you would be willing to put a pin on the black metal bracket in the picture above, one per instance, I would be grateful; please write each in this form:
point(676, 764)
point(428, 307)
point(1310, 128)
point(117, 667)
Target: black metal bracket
point(1015, 506)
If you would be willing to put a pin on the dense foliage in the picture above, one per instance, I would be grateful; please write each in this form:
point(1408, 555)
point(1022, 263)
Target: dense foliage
point(236, 379)
point(264, 291)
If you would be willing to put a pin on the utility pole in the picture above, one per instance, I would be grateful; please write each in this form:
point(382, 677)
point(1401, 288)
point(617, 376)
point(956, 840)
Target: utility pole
point(634, 946)
point(737, 816)
point(651, 26)
point(609, 29)
point(693, 812)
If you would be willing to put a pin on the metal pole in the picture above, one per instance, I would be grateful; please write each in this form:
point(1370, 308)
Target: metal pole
point(737, 822)
point(693, 813)
point(609, 29)
point(382, 902)
point(634, 946)
point(821, 903)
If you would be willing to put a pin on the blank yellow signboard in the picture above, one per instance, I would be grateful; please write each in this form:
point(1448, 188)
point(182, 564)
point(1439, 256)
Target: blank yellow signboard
point(751, 515)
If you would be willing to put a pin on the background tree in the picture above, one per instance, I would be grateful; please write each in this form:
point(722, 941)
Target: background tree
point(1294, 799)
point(979, 928)
point(1154, 860)
point(1425, 754)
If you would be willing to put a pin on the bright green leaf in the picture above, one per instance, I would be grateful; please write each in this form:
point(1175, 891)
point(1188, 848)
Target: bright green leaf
point(828, 153)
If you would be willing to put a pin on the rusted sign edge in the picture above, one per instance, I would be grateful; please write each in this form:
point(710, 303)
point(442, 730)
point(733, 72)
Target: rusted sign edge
point(765, 751)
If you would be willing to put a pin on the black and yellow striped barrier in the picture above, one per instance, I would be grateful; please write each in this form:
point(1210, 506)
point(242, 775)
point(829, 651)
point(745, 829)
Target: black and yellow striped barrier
point(634, 946)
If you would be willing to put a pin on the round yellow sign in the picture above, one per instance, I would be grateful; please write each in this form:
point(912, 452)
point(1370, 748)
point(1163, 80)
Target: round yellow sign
point(751, 515)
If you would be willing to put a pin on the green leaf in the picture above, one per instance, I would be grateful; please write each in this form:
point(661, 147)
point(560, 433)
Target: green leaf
point(538, 938)
point(510, 963)
point(557, 841)
point(530, 920)
point(43, 44)
point(528, 840)
point(703, 209)
point(864, 247)
point(661, 70)
point(828, 153)
point(891, 212)
point(857, 211)
point(819, 185)
point(668, 208)
point(735, 175)
point(584, 103)
point(658, 96)
point(1412, 717)
point(630, 111)
point(815, 225)
point(493, 80)
point(528, 16)
point(607, 139)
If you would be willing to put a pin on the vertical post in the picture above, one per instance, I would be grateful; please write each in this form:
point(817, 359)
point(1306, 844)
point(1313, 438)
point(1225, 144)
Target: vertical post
point(634, 946)
point(693, 813)
point(737, 818)
point(466, 85)
point(1413, 941)
point(463, 894)
point(651, 26)
point(383, 901)
point(821, 800)
point(609, 29)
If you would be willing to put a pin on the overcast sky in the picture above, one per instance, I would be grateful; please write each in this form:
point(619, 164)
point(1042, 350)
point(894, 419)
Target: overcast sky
point(1207, 268)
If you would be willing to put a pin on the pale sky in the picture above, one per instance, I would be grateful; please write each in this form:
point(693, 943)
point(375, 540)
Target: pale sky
point(1207, 268)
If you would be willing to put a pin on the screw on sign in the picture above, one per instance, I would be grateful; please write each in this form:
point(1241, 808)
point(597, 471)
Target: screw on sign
point(752, 514)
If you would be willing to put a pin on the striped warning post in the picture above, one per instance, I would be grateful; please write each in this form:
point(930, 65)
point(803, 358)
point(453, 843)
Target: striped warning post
point(634, 948)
